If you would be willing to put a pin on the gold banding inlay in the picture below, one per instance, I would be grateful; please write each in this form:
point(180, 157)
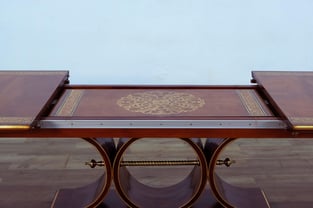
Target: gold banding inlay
point(161, 102)
point(251, 103)
point(70, 103)
point(302, 123)
point(300, 127)
point(15, 123)
point(14, 127)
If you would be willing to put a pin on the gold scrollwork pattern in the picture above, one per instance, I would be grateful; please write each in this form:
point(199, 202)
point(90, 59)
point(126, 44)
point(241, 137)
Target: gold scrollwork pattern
point(70, 103)
point(251, 103)
point(161, 102)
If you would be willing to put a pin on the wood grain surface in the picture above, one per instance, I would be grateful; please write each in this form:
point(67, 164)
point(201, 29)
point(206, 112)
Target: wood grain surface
point(291, 94)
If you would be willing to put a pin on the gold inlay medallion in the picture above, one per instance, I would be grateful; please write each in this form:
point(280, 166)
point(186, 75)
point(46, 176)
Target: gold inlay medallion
point(161, 102)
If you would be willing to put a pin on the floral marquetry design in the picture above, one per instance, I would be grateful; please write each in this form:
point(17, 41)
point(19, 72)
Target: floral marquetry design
point(161, 102)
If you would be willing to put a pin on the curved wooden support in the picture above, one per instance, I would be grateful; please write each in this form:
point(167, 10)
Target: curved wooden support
point(190, 191)
point(92, 195)
point(137, 194)
point(228, 195)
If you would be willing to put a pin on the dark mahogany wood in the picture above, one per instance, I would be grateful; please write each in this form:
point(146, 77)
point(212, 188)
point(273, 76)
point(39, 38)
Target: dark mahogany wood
point(28, 98)
point(164, 133)
point(26, 95)
point(103, 103)
point(291, 94)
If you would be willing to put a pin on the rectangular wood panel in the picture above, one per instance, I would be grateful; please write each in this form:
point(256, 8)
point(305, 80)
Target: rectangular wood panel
point(164, 103)
point(291, 94)
point(25, 94)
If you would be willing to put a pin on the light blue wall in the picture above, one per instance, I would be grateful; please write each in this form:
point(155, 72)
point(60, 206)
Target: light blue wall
point(157, 41)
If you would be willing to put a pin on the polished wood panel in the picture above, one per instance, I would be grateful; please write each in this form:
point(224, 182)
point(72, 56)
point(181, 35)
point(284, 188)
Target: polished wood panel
point(160, 103)
point(152, 104)
point(25, 95)
point(291, 94)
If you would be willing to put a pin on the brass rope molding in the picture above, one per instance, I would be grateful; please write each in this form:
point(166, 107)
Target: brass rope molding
point(160, 163)
point(93, 163)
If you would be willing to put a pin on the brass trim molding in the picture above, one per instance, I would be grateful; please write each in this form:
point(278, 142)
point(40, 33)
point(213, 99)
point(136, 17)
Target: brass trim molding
point(15, 123)
point(302, 123)
point(14, 127)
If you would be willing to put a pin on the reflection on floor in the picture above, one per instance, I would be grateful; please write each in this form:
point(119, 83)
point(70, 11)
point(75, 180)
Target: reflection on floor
point(32, 170)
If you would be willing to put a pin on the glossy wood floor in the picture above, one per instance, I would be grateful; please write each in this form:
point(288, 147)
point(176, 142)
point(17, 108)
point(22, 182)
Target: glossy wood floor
point(32, 170)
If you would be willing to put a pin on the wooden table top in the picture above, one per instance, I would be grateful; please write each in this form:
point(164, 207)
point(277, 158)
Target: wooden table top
point(291, 94)
point(24, 95)
point(157, 103)
point(42, 100)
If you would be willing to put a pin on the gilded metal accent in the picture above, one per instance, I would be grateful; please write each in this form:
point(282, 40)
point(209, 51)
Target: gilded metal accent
point(227, 162)
point(302, 123)
point(161, 102)
point(93, 163)
point(303, 127)
point(14, 127)
point(160, 163)
point(70, 103)
point(251, 103)
point(15, 123)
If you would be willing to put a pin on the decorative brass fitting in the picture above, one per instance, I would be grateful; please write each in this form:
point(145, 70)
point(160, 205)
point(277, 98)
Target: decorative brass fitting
point(93, 163)
point(227, 162)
